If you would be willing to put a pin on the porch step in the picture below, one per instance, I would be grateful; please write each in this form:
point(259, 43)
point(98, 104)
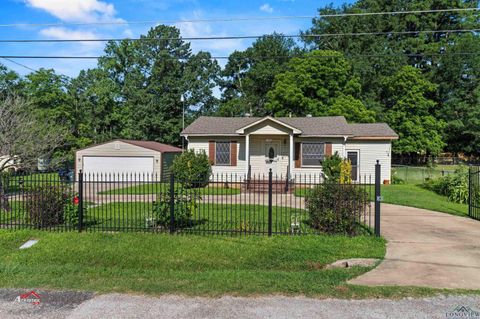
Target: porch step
point(261, 186)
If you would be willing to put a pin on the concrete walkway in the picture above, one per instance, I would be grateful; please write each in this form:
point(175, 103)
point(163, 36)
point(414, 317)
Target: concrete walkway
point(427, 248)
point(78, 305)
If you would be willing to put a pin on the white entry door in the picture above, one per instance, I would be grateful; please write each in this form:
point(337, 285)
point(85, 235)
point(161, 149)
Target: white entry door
point(271, 156)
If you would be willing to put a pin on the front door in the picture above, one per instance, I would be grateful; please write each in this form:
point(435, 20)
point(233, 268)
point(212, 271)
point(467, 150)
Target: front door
point(271, 156)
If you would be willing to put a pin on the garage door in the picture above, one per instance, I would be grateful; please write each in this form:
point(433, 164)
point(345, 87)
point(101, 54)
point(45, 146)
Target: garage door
point(122, 168)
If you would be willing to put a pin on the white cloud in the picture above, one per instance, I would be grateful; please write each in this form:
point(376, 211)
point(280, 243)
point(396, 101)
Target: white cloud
point(266, 8)
point(83, 11)
point(62, 33)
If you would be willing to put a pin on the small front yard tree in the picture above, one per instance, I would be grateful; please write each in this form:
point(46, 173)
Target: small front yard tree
point(24, 138)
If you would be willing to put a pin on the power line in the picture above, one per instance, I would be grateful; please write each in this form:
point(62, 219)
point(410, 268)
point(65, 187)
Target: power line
point(411, 55)
point(335, 15)
point(19, 64)
point(144, 39)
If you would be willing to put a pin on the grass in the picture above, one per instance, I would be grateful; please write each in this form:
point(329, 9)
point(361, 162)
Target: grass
point(207, 217)
point(413, 196)
point(156, 188)
point(14, 183)
point(416, 196)
point(192, 265)
point(416, 175)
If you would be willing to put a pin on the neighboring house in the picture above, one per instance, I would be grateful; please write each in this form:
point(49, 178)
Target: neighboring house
point(289, 145)
point(120, 159)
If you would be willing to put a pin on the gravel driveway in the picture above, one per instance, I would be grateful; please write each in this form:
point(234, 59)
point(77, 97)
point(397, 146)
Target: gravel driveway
point(77, 305)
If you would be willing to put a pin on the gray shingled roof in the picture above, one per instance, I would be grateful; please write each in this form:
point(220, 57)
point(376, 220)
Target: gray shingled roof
point(310, 126)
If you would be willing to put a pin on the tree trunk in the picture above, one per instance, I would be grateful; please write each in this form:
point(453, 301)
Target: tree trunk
point(4, 206)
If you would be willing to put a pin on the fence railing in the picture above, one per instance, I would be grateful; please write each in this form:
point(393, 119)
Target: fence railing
point(474, 192)
point(221, 204)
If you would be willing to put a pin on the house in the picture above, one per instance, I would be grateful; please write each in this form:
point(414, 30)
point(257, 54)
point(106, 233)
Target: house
point(290, 145)
point(121, 158)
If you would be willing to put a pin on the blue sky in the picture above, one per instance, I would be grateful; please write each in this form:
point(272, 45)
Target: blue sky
point(85, 11)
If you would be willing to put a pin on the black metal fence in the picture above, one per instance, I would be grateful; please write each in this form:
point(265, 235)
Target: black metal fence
point(474, 192)
point(224, 204)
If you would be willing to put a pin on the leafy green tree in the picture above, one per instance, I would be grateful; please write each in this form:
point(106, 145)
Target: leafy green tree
point(400, 40)
point(319, 83)
point(10, 82)
point(151, 76)
point(250, 74)
point(409, 100)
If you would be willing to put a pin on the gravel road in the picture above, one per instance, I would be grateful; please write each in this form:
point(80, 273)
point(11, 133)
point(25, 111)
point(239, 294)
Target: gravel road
point(80, 305)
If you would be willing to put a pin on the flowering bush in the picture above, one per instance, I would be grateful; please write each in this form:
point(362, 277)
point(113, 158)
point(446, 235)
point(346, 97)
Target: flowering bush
point(185, 206)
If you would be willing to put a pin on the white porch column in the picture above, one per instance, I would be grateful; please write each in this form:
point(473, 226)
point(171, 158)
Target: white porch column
point(247, 153)
point(291, 153)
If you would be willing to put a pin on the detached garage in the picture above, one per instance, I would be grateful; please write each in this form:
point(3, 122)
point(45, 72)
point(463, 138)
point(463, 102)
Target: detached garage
point(125, 158)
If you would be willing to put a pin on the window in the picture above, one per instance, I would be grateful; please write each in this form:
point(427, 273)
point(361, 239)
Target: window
point(353, 157)
point(313, 154)
point(222, 153)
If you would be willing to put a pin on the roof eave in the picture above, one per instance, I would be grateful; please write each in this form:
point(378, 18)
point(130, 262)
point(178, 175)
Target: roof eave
point(294, 129)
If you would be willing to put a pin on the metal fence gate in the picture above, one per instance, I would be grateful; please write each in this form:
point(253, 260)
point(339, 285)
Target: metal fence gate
point(474, 192)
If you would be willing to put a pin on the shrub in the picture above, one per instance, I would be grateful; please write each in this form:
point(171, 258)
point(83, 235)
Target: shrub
point(397, 180)
point(336, 208)
point(331, 167)
point(48, 205)
point(337, 169)
point(185, 206)
point(192, 169)
point(71, 211)
point(454, 186)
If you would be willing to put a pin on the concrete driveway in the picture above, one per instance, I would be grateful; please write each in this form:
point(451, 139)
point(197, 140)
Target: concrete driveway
point(427, 248)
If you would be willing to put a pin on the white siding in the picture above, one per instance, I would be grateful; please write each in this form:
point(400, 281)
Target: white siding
point(118, 149)
point(337, 146)
point(369, 152)
point(258, 153)
point(268, 128)
point(200, 144)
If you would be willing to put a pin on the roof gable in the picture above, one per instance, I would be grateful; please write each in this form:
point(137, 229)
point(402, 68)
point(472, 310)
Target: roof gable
point(266, 119)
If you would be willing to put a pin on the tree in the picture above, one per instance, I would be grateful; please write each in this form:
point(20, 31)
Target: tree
point(409, 101)
point(150, 77)
point(400, 40)
point(319, 83)
point(250, 74)
point(24, 138)
point(10, 82)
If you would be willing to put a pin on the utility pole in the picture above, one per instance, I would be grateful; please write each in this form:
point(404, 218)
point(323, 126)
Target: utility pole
point(182, 99)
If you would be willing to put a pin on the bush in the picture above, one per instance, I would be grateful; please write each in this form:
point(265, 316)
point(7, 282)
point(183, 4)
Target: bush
point(336, 208)
point(454, 186)
point(337, 169)
point(192, 169)
point(185, 206)
point(50, 205)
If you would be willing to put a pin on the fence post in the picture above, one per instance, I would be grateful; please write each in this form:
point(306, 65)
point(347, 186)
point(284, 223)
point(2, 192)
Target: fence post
point(80, 201)
point(172, 203)
point(378, 198)
point(470, 191)
point(270, 191)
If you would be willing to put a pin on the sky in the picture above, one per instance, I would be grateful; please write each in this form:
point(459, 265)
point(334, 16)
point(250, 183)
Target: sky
point(95, 11)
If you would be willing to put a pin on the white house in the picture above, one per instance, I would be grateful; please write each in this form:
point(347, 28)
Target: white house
point(290, 145)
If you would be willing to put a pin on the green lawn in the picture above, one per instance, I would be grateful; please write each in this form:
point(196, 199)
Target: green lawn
point(156, 188)
point(192, 265)
point(414, 196)
point(15, 183)
point(417, 175)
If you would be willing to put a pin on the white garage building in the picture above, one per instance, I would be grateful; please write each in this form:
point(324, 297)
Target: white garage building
point(124, 158)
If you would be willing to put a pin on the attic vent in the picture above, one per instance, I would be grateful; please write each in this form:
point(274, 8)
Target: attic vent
point(117, 146)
